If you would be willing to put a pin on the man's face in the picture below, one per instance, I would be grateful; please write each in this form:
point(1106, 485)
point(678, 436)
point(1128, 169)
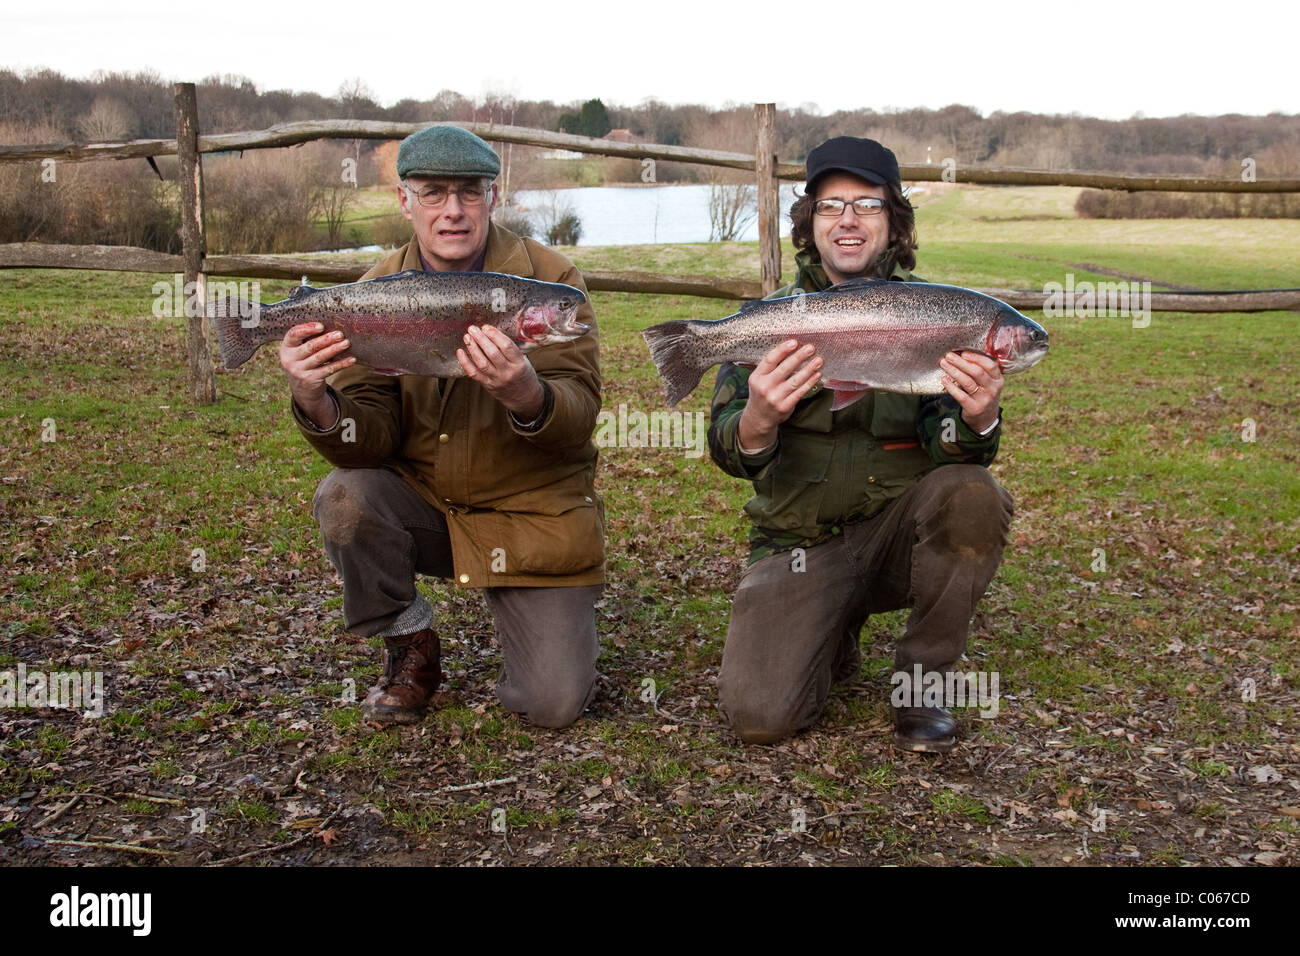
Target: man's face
point(850, 243)
point(453, 235)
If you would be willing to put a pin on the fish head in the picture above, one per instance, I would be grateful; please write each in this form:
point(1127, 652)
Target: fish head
point(549, 316)
point(1016, 341)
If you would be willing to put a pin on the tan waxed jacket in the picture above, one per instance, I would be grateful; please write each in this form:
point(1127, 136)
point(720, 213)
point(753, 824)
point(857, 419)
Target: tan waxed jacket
point(521, 507)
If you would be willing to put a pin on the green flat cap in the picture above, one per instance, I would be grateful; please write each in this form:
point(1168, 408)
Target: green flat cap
point(446, 151)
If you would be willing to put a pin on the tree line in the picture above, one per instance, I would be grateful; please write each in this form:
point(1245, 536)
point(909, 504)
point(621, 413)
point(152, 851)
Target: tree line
point(298, 199)
point(139, 105)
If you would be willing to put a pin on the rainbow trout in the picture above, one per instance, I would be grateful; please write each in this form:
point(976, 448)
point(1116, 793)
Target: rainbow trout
point(870, 333)
point(410, 323)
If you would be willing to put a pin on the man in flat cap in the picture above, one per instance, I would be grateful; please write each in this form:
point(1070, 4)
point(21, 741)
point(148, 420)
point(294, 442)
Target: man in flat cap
point(883, 504)
point(487, 480)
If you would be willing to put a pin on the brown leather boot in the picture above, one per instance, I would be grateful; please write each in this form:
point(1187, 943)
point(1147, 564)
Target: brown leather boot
point(411, 675)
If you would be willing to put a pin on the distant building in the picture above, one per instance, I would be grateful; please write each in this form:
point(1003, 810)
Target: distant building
point(622, 136)
point(614, 136)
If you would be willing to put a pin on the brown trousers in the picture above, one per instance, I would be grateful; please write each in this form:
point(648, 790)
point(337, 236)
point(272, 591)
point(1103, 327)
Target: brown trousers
point(793, 632)
point(379, 533)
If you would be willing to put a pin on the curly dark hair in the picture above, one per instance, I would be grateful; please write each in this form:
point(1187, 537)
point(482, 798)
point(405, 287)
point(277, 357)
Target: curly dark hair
point(902, 226)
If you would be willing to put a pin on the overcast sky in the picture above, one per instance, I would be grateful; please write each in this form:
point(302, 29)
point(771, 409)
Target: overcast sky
point(1097, 58)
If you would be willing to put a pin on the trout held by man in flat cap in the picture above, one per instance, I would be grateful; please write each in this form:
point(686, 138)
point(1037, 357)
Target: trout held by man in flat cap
point(870, 333)
point(410, 323)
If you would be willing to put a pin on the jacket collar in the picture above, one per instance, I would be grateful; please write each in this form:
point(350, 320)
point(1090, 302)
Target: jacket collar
point(506, 253)
point(811, 277)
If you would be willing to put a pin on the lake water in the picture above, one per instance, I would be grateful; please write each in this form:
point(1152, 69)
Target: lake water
point(639, 215)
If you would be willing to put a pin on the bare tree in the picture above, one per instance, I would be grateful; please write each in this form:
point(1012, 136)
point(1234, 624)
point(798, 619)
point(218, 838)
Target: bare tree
point(557, 221)
point(732, 207)
point(331, 205)
point(108, 121)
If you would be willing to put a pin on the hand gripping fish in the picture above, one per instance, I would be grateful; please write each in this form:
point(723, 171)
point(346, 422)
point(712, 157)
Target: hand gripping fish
point(410, 323)
point(870, 333)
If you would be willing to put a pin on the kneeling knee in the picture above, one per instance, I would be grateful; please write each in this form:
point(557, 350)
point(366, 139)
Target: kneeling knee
point(755, 724)
point(339, 507)
point(553, 706)
point(975, 512)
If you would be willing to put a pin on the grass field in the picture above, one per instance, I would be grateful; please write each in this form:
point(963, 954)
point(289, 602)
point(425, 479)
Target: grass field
point(1143, 621)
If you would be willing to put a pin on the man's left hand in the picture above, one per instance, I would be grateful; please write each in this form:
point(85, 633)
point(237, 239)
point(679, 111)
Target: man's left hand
point(976, 381)
point(495, 362)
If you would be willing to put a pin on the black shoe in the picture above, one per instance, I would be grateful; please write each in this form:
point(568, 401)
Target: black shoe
point(924, 729)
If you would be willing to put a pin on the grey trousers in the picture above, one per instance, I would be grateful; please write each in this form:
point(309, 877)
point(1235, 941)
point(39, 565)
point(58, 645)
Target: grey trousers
point(794, 632)
point(379, 532)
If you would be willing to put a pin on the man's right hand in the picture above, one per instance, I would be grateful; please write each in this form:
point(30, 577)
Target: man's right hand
point(785, 375)
point(308, 358)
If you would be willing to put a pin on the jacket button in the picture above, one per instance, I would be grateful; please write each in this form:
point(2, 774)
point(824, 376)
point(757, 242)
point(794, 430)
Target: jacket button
point(464, 579)
point(587, 498)
point(871, 479)
point(444, 438)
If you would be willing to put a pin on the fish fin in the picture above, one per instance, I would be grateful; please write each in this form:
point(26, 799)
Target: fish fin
point(861, 282)
point(846, 393)
point(399, 276)
point(749, 365)
point(672, 348)
point(749, 304)
point(238, 341)
point(846, 383)
point(299, 291)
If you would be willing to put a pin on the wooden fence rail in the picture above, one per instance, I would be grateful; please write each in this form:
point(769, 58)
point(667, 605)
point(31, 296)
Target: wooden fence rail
point(35, 255)
point(291, 134)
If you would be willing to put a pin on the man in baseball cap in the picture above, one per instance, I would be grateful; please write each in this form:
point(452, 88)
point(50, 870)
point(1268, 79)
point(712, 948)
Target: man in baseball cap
point(486, 480)
point(883, 504)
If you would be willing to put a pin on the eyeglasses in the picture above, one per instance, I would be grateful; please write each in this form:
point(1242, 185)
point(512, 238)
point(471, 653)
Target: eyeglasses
point(437, 195)
point(866, 206)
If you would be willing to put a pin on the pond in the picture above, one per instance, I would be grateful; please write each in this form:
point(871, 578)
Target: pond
point(638, 215)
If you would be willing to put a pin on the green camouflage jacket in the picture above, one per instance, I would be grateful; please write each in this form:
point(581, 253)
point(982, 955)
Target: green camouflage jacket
point(827, 468)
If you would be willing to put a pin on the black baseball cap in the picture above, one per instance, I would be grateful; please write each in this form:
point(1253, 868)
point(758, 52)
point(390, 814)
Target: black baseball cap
point(861, 157)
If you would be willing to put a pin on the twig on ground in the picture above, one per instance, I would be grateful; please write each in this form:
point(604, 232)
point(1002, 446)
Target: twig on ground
point(59, 812)
point(500, 782)
point(845, 813)
point(124, 847)
point(277, 846)
point(995, 760)
point(152, 799)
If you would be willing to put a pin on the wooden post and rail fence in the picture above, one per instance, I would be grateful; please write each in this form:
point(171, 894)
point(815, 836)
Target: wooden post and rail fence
point(196, 265)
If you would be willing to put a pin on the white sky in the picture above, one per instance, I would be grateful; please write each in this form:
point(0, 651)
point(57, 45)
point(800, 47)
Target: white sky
point(1095, 57)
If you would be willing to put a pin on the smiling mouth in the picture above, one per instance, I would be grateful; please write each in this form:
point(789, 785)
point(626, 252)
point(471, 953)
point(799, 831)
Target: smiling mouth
point(849, 242)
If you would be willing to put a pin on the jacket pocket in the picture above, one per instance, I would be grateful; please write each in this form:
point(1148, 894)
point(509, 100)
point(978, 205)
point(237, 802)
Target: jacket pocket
point(790, 495)
point(566, 542)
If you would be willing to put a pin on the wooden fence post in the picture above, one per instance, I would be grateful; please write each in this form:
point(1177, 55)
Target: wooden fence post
point(203, 386)
point(769, 197)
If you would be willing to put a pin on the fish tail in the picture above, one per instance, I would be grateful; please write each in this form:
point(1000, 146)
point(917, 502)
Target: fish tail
point(238, 340)
point(674, 348)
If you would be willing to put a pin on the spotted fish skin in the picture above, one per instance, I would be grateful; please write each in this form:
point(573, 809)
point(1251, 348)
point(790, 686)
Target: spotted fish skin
point(870, 333)
point(410, 323)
